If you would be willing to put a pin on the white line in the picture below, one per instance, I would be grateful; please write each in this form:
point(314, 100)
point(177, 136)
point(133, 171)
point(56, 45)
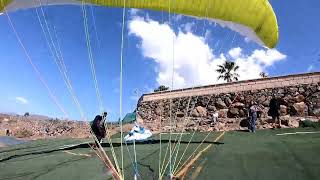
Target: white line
point(282, 134)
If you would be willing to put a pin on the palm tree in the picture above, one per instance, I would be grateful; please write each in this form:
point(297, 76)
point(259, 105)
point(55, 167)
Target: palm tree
point(263, 75)
point(228, 71)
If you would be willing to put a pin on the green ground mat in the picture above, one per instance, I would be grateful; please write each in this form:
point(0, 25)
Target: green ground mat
point(237, 155)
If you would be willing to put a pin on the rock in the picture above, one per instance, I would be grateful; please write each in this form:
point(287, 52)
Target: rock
point(283, 110)
point(293, 123)
point(202, 111)
point(221, 126)
point(299, 98)
point(195, 113)
point(261, 99)
point(281, 91)
point(199, 111)
point(179, 114)
point(227, 101)
point(158, 111)
point(212, 108)
point(301, 90)
point(293, 89)
point(223, 113)
point(238, 105)
point(285, 122)
point(270, 120)
point(267, 126)
point(244, 122)
point(220, 104)
point(267, 101)
point(299, 108)
point(233, 112)
point(316, 112)
point(241, 113)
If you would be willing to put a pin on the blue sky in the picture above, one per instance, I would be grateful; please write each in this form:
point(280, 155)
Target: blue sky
point(147, 52)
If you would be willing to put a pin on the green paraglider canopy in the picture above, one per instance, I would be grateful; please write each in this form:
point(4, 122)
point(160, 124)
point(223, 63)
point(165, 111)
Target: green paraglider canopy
point(129, 118)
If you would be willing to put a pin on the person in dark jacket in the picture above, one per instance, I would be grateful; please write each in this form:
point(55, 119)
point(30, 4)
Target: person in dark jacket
point(274, 109)
point(98, 126)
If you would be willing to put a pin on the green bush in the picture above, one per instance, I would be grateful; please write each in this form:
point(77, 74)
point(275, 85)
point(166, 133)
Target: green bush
point(308, 123)
point(24, 133)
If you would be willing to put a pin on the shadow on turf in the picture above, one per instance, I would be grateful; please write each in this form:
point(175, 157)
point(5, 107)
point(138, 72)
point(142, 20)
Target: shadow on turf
point(86, 145)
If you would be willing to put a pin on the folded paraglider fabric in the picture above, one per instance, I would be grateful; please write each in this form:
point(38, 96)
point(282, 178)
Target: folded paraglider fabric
point(138, 134)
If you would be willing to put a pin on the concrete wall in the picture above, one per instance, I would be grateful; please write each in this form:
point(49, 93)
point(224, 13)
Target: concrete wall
point(256, 84)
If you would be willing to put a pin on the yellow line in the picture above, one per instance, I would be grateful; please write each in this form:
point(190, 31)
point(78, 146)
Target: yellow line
point(186, 167)
point(197, 172)
point(77, 154)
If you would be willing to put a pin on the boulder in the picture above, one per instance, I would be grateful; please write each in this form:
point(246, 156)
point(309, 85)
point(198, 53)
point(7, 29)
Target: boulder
point(267, 126)
point(227, 101)
point(267, 101)
point(283, 110)
point(220, 104)
point(221, 126)
point(293, 123)
point(301, 90)
point(238, 105)
point(293, 89)
point(233, 112)
point(242, 113)
point(159, 111)
point(261, 99)
point(195, 113)
point(179, 114)
point(202, 111)
point(212, 108)
point(223, 113)
point(299, 108)
point(281, 91)
point(299, 98)
point(244, 123)
point(316, 111)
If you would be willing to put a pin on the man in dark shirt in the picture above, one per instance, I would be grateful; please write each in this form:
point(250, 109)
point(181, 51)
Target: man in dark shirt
point(98, 126)
point(274, 109)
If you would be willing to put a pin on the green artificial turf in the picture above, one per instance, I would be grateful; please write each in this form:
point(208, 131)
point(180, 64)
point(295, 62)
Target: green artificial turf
point(237, 155)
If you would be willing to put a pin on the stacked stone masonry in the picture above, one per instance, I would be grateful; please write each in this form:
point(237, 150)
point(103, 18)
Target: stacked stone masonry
point(194, 108)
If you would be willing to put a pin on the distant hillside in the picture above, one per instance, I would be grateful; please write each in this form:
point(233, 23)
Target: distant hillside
point(38, 126)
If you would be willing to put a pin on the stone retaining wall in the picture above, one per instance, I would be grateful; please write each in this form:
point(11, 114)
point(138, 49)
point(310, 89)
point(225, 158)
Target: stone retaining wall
point(194, 108)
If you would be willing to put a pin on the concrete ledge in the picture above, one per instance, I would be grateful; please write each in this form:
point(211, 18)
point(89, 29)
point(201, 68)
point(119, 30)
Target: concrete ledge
point(255, 84)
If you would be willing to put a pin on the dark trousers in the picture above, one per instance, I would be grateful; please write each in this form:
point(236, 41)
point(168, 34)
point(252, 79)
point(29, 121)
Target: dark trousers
point(252, 122)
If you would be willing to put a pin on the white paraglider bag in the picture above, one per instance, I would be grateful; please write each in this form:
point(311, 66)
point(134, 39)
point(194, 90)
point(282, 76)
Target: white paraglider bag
point(138, 134)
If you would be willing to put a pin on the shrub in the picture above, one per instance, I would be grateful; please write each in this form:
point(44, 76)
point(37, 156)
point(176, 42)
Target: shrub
point(24, 133)
point(308, 123)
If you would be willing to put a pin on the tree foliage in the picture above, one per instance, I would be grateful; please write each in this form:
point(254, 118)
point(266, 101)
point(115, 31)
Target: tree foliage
point(228, 71)
point(161, 88)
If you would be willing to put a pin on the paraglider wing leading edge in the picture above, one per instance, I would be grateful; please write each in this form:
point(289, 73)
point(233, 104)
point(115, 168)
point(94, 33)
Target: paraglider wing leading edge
point(254, 19)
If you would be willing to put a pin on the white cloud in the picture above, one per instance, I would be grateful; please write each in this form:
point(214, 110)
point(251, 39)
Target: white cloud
point(188, 26)
point(134, 12)
point(310, 68)
point(267, 57)
point(235, 52)
point(194, 60)
point(21, 100)
point(178, 17)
